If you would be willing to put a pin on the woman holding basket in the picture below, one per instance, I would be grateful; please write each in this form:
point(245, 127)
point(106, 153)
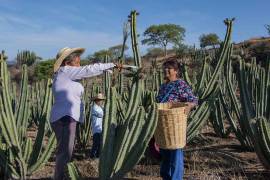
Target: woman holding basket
point(174, 90)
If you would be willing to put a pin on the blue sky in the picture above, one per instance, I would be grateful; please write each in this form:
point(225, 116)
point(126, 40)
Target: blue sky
point(45, 26)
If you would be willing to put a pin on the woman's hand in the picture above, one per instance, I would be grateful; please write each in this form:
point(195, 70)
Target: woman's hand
point(119, 66)
point(189, 107)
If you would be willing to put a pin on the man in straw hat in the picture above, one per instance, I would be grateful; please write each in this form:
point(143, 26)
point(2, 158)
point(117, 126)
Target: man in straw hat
point(67, 109)
point(96, 118)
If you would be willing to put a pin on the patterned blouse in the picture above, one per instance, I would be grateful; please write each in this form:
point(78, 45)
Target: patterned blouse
point(179, 91)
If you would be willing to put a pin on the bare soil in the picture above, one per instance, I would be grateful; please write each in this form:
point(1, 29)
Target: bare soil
point(211, 157)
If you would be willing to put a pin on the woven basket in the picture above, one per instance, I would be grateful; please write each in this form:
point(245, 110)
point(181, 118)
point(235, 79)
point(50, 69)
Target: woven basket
point(172, 125)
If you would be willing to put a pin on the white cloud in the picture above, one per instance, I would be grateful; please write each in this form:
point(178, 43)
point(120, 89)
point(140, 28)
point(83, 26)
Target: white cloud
point(12, 21)
point(21, 32)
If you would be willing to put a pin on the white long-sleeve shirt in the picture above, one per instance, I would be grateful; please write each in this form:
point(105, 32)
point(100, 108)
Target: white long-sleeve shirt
point(68, 92)
point(96, 117)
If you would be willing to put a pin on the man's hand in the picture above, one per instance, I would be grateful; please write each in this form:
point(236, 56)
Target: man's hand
point(119, 66)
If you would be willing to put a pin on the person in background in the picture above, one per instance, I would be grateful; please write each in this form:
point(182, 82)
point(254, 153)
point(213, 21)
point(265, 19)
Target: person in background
point(67, 109)
point(96, 118)
point(174, 90)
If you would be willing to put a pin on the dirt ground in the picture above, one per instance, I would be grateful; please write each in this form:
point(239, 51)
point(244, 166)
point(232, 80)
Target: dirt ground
point(210, 158)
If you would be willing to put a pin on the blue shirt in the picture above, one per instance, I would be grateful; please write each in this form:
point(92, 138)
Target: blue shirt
point(96, 118)
point(176, 91)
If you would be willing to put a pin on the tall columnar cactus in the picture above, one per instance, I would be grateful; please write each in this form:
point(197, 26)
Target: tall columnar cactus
point(252, 110)
point(3, 55)
point(26, 57)
point(262, 143)
point(107, 77)
point(157, 78)
point(14, 100)
point(126, 129)
point(218, 118)
point(232, 107)
point(24, 157)
point(208, 85)
point(41, 100)
point(223, 55)
point(255, 108)
point(23, 110)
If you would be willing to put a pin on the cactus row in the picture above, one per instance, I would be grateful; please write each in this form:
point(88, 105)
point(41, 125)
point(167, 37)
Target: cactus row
point(21, 157)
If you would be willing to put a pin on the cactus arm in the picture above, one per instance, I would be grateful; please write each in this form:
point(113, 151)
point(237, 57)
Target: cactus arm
point(9, 119)
point(6, 166)
point(38, 142)
point(143, 139)
point(108, 135)
point(134, 41)
point(197, 119)
point(27, 149)
point(185, 75)
point(126, 143)
point(232, 95)
point(46, 154)
point(5, 126)
point(73, 171)
point(248, 111)
point(262, 147)
point(133, 102)
point(47, 101)
point(22, 113)
point(202, 77)
point(222, 58)
point(244, 141)
point(107, 78)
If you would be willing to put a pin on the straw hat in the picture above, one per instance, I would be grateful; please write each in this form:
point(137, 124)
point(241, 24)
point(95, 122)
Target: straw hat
point(63, 53)
point(99, 97)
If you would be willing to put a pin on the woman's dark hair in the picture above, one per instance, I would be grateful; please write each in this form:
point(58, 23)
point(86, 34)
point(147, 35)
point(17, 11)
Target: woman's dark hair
point(173, 64)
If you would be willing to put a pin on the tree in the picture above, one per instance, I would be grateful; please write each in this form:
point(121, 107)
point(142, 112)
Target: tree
point(113, 52)
point(44, 69)
point(154, 52)
point(99, 56)
point(210, 39)
point(163, 34)
point(267, 26)
point(183, 50)
point(27, 57)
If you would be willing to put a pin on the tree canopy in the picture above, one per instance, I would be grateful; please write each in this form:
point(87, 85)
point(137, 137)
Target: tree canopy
point(210, 39)
point(163, 34)
point(44, 69)
point(113, 52)
point(154, 52)
point(99, 55)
